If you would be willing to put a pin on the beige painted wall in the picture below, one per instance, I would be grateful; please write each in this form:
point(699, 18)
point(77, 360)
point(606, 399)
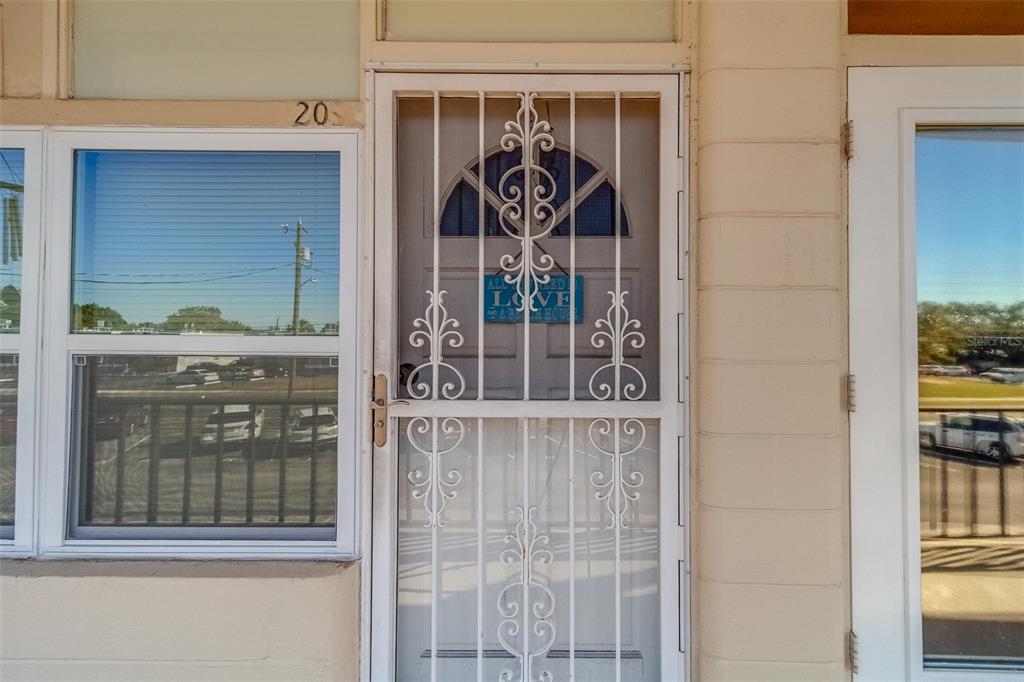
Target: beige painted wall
point(530, 20)
point(178, 621)
point(770, 543)
point(770, 564)
point(217, 49)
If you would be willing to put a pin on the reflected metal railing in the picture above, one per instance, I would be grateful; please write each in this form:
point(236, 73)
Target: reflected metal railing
point(966, 492)
point(183, 444)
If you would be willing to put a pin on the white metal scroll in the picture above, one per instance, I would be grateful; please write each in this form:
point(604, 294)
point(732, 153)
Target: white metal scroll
point(526, 604)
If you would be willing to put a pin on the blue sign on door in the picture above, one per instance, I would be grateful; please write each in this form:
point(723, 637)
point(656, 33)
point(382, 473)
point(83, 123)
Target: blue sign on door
point(501, 301)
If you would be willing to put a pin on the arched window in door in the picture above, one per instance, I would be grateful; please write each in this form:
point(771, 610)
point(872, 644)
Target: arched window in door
point(595, 195)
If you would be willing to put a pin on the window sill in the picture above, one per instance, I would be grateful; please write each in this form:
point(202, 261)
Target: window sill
point(197, 549)
point(9, 551)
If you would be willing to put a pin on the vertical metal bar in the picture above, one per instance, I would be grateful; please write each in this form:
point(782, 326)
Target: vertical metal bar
point(1003, 501)
point(616, 479)
point(481, 580)
point(282, 464)
point(527, 242)
point(617, 340)
point(572, 532)
point(153, 496)
point(119, 477)
point(314, 433)
point(572, 273)
point(435, 346)
point(481, 577)
point(434, 578)
point(1003, 425)
point(525, 665)
point(88, 416)
point(186, 493)
point(933, 498)
point(218, 469)
point(481, 226)
point(973, 480)
point(250, 466)
point(944, 495)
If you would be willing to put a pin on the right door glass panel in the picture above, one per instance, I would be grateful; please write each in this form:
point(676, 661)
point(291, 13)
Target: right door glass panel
point(970, 270)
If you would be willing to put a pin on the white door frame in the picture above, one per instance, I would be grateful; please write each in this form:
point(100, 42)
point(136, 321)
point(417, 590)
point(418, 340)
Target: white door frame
point(886, 105)
point(379, 584)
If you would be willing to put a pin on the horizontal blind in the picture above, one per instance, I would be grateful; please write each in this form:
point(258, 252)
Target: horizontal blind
point(173, 242)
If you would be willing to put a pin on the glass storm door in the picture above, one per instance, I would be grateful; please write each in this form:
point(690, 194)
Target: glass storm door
point(527, 310)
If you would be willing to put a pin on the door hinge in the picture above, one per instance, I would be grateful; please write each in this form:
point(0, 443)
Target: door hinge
point(681, 174)
point(846, 139)
point(851, 393)
point(852, 654)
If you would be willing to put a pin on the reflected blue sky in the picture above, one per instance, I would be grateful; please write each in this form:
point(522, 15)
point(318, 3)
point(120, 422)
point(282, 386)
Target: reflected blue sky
point(158, 231)
point(12, 203)
point(970, 215)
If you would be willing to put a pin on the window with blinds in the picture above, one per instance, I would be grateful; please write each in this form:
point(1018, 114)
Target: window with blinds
point(195, 242)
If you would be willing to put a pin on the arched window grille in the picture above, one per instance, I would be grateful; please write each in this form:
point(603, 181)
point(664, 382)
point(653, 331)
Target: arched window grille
point(595, 196)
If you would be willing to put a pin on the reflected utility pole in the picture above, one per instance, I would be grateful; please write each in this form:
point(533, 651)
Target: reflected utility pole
point(302, 255)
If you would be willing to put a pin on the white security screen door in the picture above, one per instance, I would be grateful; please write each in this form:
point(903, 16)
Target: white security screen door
point(528, 310)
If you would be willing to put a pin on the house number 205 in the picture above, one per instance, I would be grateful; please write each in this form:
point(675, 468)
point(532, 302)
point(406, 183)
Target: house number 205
point(316, 114)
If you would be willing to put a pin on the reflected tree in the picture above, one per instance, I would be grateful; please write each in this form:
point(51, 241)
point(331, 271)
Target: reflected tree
point(95, 316)
point(10, 305)
point(202, 319)
point(977, 334)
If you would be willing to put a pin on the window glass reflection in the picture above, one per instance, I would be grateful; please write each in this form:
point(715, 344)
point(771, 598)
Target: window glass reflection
point(970, 227)
point(206, 242)
point(12, 206)
point(577, 550)
point(8, 442)
point(195, 442)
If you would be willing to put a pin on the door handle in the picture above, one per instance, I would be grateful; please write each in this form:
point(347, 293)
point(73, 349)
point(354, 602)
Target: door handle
point(379, 409)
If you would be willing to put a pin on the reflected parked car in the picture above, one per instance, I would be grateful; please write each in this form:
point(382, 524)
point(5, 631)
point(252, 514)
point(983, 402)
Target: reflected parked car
point(929, 370)
point(240, 423)
point(1005, 375)
point(241, 371)
point(275, 370)
point(983, 434)
point(112, 421)
point(300, 430)
point(954, 371)
point(194, 377)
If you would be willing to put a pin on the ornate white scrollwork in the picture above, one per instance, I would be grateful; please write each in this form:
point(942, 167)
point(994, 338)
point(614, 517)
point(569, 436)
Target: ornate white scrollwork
point(617, 489)
point(435, 486)
point(537, 194)
point(616, 331)
point(434, 330)
point(526, 603)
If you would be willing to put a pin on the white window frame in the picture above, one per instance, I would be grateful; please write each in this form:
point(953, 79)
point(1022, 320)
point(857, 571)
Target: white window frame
point(55, 481)
point(886, 106)
point(26, 343)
